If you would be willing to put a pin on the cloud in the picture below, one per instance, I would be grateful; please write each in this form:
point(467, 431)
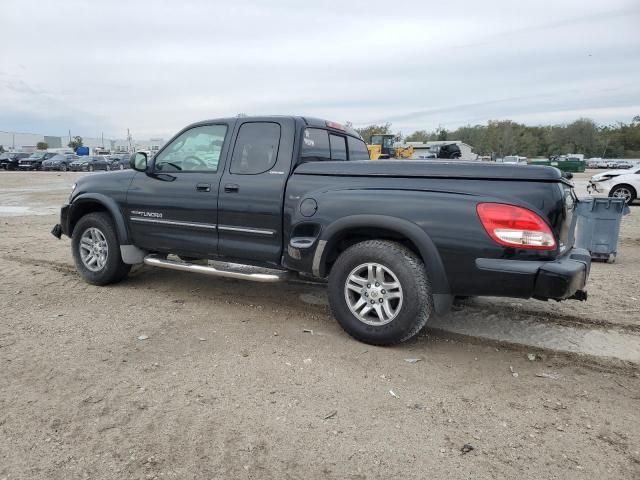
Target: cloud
point(155, 66)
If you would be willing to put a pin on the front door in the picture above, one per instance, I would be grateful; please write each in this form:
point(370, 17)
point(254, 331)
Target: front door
point(174, 207)
point(252, 191)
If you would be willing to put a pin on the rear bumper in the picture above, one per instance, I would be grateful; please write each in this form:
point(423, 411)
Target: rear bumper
point(560, 279)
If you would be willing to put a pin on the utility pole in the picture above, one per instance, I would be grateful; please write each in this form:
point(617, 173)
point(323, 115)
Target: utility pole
point(604, 152)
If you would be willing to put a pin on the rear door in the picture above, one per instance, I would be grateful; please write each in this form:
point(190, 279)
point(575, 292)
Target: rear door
point(252, 191)
point(175, 207)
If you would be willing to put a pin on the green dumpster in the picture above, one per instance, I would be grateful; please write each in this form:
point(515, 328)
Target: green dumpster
point(569, 164)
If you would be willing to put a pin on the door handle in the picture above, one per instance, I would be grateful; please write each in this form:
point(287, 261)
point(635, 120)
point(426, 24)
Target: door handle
point(231, 187)
point(203, 187)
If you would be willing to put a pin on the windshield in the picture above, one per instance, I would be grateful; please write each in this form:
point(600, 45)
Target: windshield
point(36, 155)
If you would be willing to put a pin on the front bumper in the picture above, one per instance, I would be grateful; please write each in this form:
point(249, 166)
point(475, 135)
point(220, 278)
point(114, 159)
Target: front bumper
point(559, 279)
point(596, 187)
point(79, 168)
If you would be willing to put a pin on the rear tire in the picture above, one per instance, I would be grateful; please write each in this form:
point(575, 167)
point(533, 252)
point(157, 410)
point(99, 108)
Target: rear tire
point(396, 313)
point(93, 235)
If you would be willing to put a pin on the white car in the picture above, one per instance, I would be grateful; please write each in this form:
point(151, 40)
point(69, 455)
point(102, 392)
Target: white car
point(617, 183)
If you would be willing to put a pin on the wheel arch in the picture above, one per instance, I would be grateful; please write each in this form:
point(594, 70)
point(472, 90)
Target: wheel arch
point(95, 202)
point(347, 231)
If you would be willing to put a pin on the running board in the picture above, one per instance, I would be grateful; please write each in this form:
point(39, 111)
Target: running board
point(257, 275)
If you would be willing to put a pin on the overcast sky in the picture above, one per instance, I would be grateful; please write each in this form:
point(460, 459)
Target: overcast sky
point(153, 66)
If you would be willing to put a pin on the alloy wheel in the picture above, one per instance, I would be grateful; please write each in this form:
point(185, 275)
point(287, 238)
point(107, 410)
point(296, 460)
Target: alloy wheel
point(373, 294)
point(94, 249)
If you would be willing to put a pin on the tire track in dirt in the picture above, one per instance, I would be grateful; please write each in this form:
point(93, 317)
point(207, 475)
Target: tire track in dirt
point(556, 318)
point(36, 262)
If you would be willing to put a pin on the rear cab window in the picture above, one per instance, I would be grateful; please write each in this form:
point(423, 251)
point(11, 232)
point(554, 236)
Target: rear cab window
point(322, 145)
point(338, 147)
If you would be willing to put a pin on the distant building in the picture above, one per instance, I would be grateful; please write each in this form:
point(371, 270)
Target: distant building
point(426, 150)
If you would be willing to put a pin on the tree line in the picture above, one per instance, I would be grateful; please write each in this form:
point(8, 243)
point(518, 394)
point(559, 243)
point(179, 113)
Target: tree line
point(505, 137)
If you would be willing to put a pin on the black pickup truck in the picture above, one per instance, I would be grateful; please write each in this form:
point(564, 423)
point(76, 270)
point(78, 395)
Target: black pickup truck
point(283, 196)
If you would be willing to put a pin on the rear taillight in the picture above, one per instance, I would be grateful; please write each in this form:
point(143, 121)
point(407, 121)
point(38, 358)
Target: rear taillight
point(515, 227)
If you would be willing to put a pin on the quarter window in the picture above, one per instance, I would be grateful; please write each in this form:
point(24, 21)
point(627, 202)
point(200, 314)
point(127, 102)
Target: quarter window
point(197, 149)
point(256, 148)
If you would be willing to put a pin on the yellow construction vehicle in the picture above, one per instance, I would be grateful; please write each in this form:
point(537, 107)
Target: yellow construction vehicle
point(381, 147)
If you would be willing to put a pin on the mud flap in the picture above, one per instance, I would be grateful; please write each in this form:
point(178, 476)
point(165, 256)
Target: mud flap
point(57, 231)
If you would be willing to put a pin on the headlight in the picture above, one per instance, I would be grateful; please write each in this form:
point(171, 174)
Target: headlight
point(73, 189)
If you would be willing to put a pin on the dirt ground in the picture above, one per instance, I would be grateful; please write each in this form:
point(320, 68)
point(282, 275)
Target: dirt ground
point(171, 375)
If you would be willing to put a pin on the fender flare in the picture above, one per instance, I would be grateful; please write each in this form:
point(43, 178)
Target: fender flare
point(112, 208)
point(428, 251)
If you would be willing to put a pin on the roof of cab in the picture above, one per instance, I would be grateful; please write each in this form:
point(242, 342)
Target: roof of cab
point(309, 121)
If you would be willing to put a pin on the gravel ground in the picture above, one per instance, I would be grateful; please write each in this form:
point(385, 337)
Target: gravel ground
point(172, 375)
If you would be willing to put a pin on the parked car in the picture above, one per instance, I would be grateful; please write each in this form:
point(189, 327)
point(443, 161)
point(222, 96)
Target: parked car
point(624, 165)
point(60, 161)
point(396, 240)
point(34, 161)
point(119, 162)
point(89, 164)
point(593, 163)
point(617, 183)
point(10, 160)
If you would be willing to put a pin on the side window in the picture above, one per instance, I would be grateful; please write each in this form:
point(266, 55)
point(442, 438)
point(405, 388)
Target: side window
point(197, 149)
point(256, 148)
point(315, 145)
point(357, 149)
point(338, 147)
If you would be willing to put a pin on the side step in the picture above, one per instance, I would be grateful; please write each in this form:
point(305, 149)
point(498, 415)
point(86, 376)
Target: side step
point(254, 274)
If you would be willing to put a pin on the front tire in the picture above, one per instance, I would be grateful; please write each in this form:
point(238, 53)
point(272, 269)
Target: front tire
point(379, 292)
point(96, 250)
point(624, 191)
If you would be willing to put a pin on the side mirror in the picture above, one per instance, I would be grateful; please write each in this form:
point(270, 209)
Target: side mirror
point(138, 161)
